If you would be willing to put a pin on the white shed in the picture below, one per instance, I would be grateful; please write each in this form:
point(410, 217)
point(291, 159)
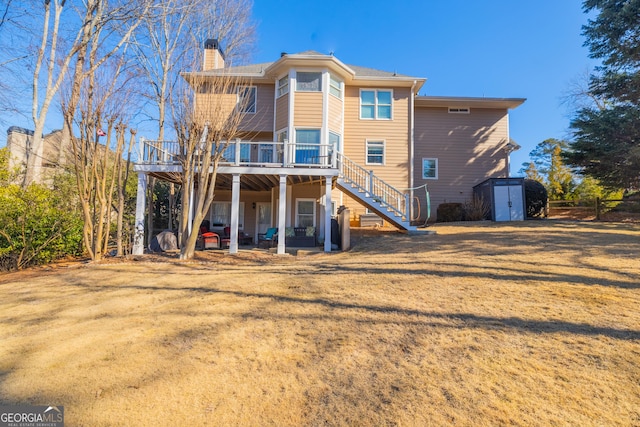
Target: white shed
point(505, 196)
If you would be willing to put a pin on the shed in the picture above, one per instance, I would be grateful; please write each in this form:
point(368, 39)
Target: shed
point(505, 196)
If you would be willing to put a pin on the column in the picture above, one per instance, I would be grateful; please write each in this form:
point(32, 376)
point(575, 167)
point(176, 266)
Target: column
point(141, 202)
point(235, 213)
point(327, 214)
point(282, 215)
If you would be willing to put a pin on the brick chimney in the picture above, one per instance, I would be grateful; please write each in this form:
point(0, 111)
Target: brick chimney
point(213, 55)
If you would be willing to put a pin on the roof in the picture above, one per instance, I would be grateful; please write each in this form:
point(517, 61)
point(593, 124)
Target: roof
point(266, 69)
point(466, 101)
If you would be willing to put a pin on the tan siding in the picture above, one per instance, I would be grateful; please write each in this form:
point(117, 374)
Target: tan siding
point(282, 112)
point(210, 106)
point(262, 120)
point(468, 148)
point(307, 109)
point(394, 132)
point(335, 114)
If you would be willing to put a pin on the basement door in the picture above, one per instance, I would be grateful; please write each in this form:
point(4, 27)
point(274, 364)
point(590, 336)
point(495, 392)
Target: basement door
point(508, 203)
point(263, 218)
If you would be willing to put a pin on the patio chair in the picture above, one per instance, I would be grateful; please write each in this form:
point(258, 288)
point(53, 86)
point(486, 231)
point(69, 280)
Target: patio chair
point(268, 239)
point(207, 239)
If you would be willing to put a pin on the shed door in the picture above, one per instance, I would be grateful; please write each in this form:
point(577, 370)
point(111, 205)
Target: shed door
point(508, 201)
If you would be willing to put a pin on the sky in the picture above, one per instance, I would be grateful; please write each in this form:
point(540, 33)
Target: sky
point(477, 48)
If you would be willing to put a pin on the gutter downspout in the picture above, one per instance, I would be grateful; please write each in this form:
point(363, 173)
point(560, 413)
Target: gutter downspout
point(508, 142)
point(411, 149)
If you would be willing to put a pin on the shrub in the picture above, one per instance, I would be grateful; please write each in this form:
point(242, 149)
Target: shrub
point(35, 228)
point(535, 198)
point(450, 212)
point(476, 209)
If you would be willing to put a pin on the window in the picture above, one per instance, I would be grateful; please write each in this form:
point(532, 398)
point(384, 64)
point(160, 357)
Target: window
point(429, 168)
point(375, 152)
point(247, 99)
point(283, 86)
point(335, 88)
point(375, 104)
point(220, 214)
point(334, 141)
point(305, 212)
point(459, 110)
point(308, 146)
point(309, 82)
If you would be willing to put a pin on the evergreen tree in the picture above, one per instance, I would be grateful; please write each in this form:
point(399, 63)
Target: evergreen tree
point(607, 140)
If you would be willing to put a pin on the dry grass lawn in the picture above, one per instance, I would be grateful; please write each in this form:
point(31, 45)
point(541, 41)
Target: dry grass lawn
point(525, 324)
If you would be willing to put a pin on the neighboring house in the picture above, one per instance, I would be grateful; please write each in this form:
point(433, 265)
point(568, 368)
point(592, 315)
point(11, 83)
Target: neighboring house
point(323, 134)
point(19, 142)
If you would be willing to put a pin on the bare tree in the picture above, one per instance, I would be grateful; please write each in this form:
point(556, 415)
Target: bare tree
point(64, 43)
point(204, 128)
point(579, 95)
point(122, 172)
point(102, 107)
point(171, 41)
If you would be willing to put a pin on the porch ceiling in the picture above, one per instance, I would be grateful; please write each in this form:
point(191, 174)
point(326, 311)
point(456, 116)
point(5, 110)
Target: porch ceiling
point(249, 182)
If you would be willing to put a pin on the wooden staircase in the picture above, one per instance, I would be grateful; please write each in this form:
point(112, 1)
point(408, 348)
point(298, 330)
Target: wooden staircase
point(372, 192)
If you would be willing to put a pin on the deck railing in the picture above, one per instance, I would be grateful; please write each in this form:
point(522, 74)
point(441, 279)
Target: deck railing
point(375, 188)
point(246, 153)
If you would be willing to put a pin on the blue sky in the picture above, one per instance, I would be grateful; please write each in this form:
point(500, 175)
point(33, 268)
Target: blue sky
point(492, 48)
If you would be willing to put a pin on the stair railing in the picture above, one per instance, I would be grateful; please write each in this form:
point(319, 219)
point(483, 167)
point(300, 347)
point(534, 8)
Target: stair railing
point(375, 188)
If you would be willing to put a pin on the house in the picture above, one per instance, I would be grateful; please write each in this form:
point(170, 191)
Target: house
point(323, 134)
point(52, 155)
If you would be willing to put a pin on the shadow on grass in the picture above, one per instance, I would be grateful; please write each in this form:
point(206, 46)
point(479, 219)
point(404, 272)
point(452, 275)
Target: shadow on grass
point(470, 320)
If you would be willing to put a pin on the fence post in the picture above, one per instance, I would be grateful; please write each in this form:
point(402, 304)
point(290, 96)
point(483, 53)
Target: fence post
point(597, 208)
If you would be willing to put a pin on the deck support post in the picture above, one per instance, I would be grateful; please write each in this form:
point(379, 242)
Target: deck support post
point(327, 213)
point(141, 203)
point(282, 215)
point(235, 212)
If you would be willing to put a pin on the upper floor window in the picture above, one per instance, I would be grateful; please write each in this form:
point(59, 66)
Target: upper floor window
point(375, 152)
point(247, 99)
point(429, 168)
point(283, 86)
point(375, 104)
point(308, 82)
point(335, 88)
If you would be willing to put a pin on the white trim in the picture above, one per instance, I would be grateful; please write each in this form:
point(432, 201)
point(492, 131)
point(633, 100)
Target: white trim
point(293, 73)
point(422, 165)
point(375, 105)
point(412, 131)
point(324, 131)
point(384, 151)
